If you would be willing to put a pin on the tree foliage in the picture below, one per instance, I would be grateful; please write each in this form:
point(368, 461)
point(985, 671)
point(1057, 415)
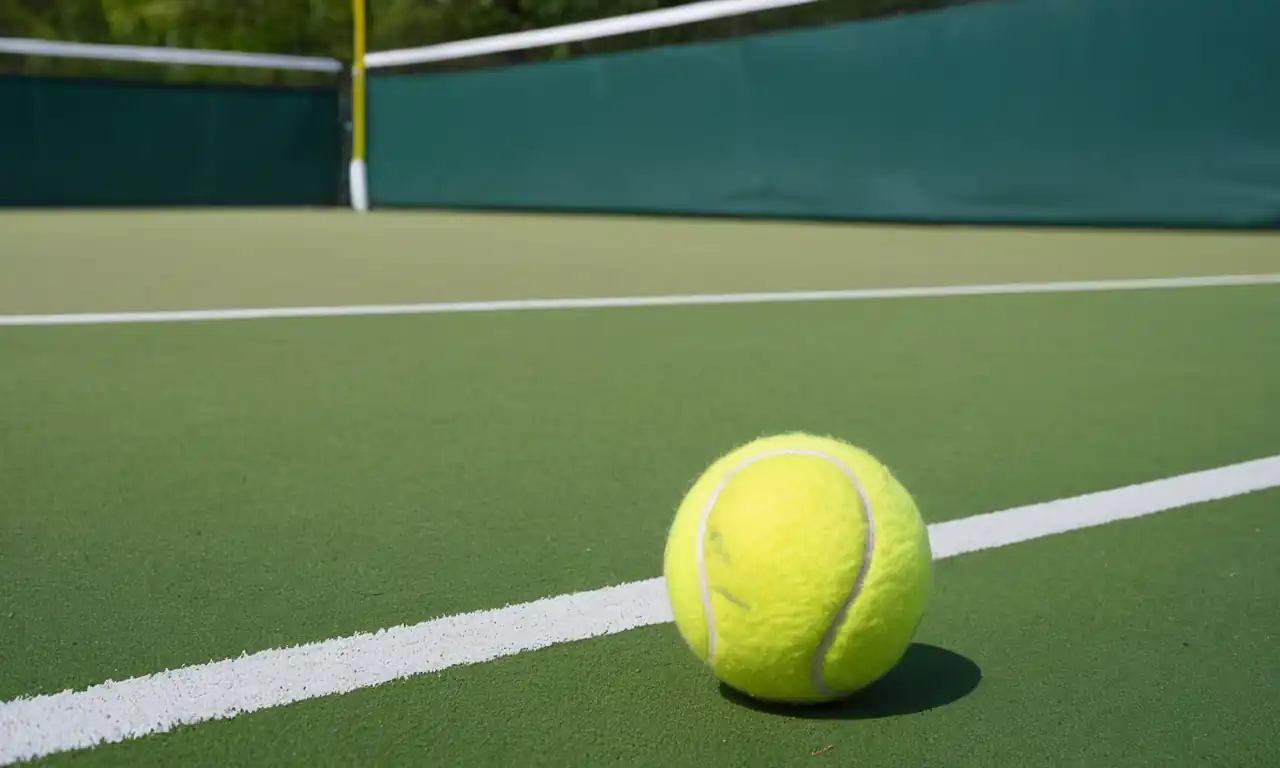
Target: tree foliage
point(323, 28)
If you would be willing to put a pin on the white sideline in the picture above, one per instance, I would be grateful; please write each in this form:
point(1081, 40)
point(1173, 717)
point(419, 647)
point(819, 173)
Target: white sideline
point(115, 711)
point(572, 33)
point(260, 313)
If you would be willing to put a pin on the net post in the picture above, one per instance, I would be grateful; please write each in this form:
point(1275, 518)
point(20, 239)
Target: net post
point(357, 175)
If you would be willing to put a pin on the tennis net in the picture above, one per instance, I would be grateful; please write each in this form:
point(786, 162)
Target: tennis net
point(418, 37)
point(992, 112)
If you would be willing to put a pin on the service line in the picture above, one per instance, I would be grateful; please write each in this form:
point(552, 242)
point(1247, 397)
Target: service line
point(616, 302)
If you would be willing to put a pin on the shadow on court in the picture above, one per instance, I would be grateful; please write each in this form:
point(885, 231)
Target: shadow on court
point(927, 677)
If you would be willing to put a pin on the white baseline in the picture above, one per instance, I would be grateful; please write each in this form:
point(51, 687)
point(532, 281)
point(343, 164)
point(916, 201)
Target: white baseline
point(118, 710)
point(697, 299)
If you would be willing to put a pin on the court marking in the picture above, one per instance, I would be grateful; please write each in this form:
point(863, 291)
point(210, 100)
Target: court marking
point(115, 711)
point(525, 305)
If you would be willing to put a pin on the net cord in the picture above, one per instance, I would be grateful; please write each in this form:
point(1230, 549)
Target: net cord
point(571, 33)
point(160, 55)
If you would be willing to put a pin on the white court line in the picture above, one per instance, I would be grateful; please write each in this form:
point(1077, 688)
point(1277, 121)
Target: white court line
point(128, 709)
point(177, 316)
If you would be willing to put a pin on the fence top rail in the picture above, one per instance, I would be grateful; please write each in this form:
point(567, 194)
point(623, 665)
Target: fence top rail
point(162, 55)
point(572, 33)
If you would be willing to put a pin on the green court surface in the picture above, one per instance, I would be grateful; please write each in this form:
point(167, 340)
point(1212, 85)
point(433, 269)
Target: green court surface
point(173, 494)
point(143, 260)
point(1121, 646)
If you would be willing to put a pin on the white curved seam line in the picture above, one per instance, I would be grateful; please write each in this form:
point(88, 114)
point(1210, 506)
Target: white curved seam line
point(703, 590)
point(829, 637)
point(700, 545)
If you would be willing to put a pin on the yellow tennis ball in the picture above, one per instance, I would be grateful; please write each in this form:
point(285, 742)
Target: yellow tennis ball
point(798, 568)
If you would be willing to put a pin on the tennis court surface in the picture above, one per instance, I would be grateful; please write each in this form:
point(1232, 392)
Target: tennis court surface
point(221, 514)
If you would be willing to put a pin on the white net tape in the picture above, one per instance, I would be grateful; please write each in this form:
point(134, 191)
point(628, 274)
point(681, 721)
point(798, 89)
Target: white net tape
point(159, 55)
point(573, 33)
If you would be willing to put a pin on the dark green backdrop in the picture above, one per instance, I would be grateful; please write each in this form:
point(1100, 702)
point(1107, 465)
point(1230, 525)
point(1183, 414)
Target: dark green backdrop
point(103, 142)
point(1051, 111)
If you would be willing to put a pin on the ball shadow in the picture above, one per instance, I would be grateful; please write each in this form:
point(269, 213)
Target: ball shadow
point(927, 677)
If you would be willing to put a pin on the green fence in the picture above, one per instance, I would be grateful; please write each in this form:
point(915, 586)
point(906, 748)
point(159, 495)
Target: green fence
point(101, 142)
point(1052, 111)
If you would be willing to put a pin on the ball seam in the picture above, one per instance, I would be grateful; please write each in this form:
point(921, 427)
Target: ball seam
point(828, 638)
point(868, 549)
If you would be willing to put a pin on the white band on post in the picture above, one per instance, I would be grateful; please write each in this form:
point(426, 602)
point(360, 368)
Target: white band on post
point(359, 186)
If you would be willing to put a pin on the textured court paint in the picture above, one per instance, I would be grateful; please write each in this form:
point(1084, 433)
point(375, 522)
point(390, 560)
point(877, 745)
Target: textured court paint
point(417, 445)
point(1146, 643)
point(264, 313)
point(217, 259)
point(116, 711)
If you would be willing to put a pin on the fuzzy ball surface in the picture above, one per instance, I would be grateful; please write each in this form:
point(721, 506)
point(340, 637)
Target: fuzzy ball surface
point(798, 568)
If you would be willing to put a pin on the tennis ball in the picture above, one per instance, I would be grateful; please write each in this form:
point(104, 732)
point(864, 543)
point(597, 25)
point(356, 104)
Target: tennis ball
point(798, 568)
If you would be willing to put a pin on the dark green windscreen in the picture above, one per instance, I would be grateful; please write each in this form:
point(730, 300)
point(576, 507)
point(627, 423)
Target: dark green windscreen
point(104, 142)
point(1050, 111)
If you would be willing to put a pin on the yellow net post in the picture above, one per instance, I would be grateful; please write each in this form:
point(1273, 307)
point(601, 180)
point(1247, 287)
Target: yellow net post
point(357, 174)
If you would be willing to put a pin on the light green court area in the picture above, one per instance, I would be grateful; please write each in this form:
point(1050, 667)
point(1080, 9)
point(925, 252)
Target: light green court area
point(172, 494)
point(53, 262)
